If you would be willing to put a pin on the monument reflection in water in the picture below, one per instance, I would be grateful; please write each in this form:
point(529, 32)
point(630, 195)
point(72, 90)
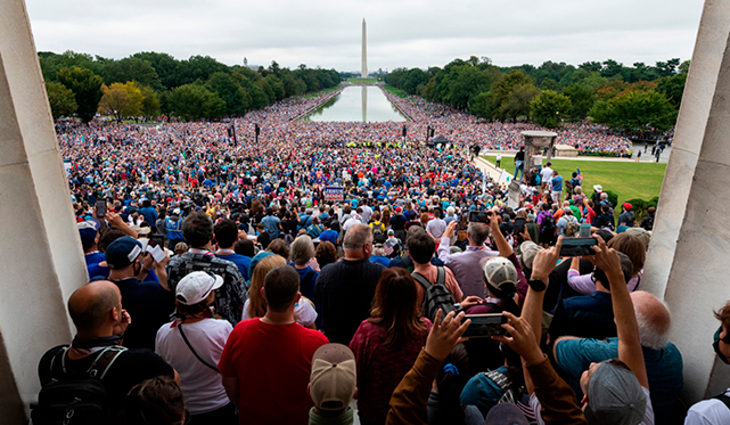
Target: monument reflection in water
point(363, 104)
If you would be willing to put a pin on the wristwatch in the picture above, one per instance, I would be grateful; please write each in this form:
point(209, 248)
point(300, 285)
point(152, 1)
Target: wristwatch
point(537, 285)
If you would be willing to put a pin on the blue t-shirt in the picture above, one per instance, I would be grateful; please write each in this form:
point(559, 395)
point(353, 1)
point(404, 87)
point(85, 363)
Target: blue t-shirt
point(383, 261)
point(329, 235)
point(271, 225)
point(307, 288)
point(239, 260)
point(589, 316)
point(557, 183)
point(663, 368)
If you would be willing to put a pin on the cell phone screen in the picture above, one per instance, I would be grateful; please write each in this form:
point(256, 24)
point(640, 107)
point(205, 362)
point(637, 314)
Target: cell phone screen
point(485, 325)
point(577, 247)
point(100, 209)
point(480, 216)
point(519, 225)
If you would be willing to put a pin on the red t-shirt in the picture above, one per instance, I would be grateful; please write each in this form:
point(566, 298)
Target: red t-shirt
point(272, 364)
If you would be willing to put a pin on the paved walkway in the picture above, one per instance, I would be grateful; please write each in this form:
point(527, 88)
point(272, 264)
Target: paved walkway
point(646, 157)
point(488, 168)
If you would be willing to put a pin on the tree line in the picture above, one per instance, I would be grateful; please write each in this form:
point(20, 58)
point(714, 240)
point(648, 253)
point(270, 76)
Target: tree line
point(147, 84)
point(640, 99)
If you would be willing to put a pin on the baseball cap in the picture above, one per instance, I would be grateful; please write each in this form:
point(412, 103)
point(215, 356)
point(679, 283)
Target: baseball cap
point(529, 251)
point(87, 231)
point(598, 188)
point(196, 286)
point(122, 252)
point(333, 380)
point(614, 396)
point(500, 274)
point(255, 260)
point(398, 209)
point(505, 414)
point(627, 206)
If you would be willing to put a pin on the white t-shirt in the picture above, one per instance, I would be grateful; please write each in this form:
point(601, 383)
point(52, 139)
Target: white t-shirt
point(648, 414)
point(201, 386)
point(546, 174)
point(708, 412)
point(304, 312)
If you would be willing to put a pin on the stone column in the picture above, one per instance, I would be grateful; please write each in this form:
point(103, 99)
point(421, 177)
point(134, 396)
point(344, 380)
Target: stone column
point(42, 262)
point(364, 58)
point(535, 141)
point(688, 256)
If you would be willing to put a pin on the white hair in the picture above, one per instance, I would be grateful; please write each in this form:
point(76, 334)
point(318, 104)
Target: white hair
point(651, 334)
point(450, 210)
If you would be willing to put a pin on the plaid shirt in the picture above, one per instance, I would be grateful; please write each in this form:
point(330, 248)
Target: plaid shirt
point(229, 298)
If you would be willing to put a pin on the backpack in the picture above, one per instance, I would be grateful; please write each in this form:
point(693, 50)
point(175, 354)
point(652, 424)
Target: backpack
point(547, 225)
point(436, 296)
point(76, 398)
point(571, 229)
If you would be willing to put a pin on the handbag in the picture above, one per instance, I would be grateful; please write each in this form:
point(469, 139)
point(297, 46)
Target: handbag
point(193, 350)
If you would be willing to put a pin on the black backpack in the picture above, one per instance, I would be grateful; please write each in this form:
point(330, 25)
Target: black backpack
point(73, 398)
point(437, 296)
point(547, 225)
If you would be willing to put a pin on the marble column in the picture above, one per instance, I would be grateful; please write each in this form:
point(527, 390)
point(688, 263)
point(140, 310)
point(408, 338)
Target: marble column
point(689, 249)
point(364, 59)
point(42, 261)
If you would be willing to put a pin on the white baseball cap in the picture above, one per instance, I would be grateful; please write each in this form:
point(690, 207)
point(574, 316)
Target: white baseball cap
point(196, 286)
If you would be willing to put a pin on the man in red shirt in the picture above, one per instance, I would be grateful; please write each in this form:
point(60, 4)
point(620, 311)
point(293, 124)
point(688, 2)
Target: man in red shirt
point(267, 361)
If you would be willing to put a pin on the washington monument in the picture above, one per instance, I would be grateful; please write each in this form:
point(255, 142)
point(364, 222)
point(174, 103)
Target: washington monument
point(364, 66)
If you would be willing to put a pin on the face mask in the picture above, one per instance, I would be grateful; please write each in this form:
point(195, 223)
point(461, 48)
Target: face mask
point(716, 346)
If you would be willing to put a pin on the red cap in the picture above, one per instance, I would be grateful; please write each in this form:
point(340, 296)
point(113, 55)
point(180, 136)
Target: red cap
point(398, 209)
point(627, 206)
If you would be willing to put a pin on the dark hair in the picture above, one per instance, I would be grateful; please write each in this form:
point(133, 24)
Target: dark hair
point(110, 235)
point(421, 247)
point(449, 409)
point(606, 235)
point(326, 253)
point(278, 246)
point(394, 307)
point(626, 267)
point(146, 203)
point(226, 233)
point(245, 247)
point(156, 401)
point(280, 287)
point(197, 229)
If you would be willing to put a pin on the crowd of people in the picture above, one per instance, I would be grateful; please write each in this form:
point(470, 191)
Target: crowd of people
point(227, 285)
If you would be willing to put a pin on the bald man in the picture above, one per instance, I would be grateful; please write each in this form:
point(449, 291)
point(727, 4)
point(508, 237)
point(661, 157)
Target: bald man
point(662, 358)
point(96, 311)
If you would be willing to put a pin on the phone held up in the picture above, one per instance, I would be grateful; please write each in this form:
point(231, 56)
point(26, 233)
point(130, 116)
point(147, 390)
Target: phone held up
point(100, 209)
point(480, 216)
point(519, 225)
point(485, 325)
point(577, 247)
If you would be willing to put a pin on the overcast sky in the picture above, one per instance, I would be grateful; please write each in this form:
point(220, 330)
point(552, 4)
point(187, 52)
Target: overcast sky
point(410, 33)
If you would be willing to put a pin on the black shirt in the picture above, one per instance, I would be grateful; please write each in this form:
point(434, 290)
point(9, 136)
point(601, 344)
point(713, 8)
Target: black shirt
point(520, 156)
point(398, 222)
point(129, 369)
point(150, 306)
point(345, 290)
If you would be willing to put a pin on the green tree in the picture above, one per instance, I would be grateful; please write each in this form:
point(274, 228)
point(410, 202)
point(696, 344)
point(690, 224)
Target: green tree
point(672, 87)
point(86, 87)
point(121, 100)
point(501, 90)
point(192, 102)
point(166, 67)
point(150, 102)
point(480, 105)
point(549, 107)
point(638, 112)
point(132, 69)
point(223, 85)
point(61, 100)
point(518, 101)
point(581, 98)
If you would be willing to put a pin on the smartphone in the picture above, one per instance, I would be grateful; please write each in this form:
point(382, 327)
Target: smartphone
point(480, 216)
point(485, 325)
point(158, 240)
point(577, 247)
point(519, 225)
point(100, 209)
point(585, 230)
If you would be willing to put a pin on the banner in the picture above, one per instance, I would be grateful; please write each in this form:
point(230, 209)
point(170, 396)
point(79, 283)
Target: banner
point(334, 194)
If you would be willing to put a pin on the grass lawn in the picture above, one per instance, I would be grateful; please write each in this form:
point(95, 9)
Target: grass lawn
point(629, 180)
point(395, 91)
point(363, 80)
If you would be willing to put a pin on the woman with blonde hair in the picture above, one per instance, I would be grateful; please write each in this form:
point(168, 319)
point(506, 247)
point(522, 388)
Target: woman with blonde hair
point(255, 305)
